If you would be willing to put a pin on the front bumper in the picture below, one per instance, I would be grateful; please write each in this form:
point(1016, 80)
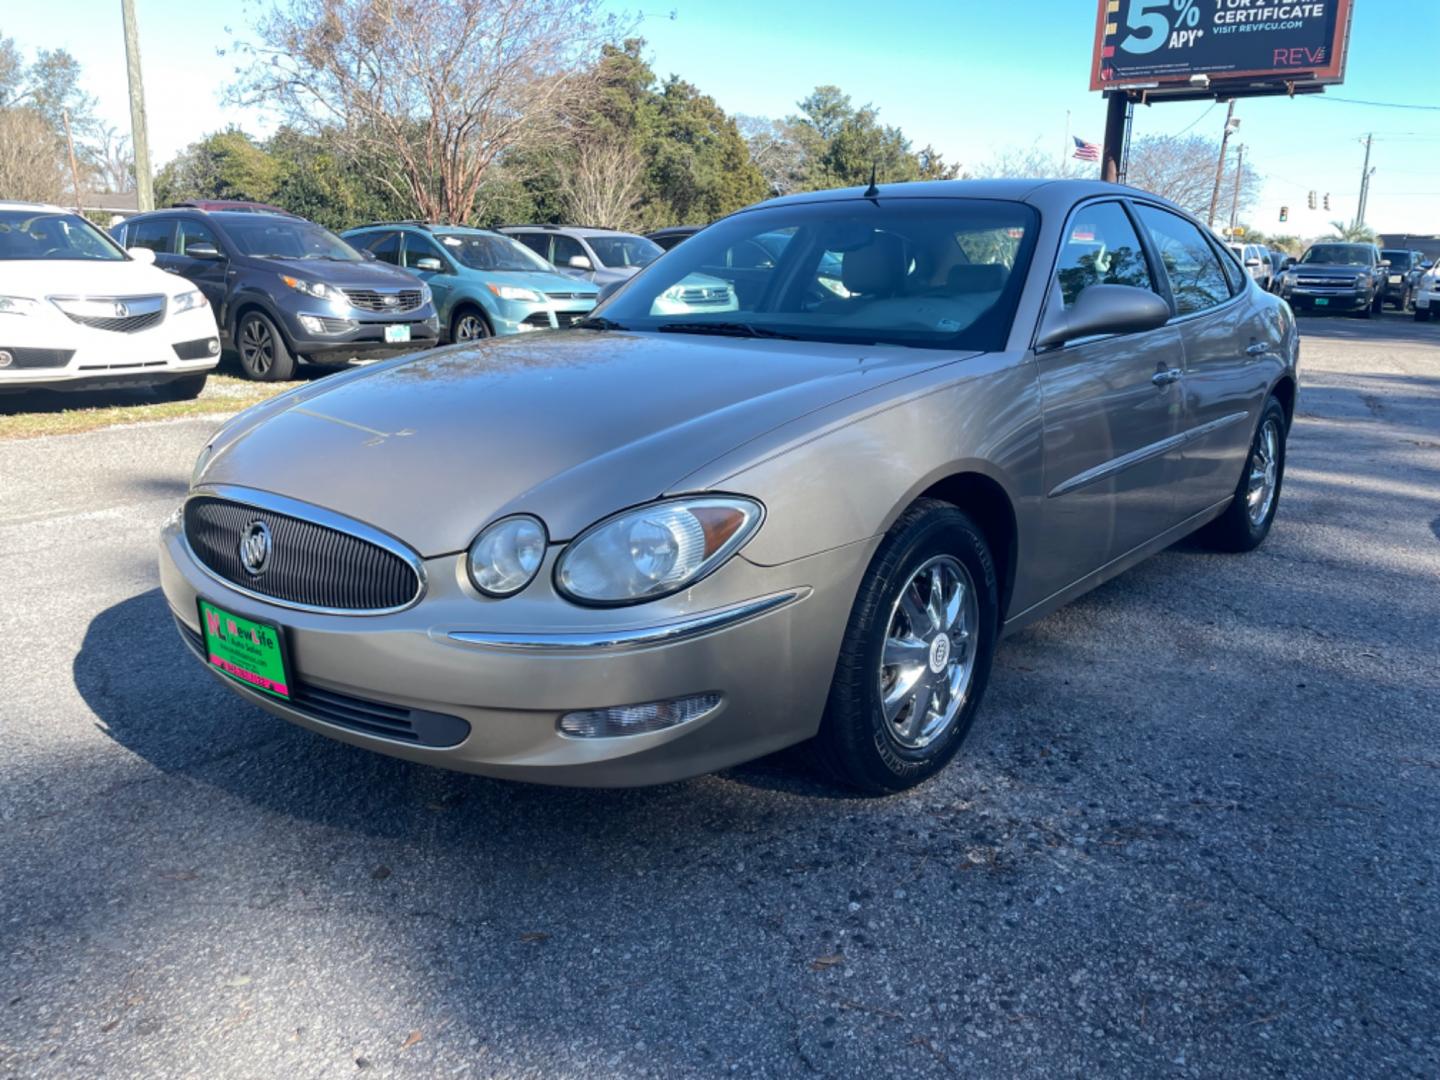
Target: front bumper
point(1348, 299)
point(1427, 299)
point(510, 669)
point(48, 351)
point(357, 334)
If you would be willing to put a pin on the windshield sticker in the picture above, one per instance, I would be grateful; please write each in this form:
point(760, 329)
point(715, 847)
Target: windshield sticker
point(452, 241)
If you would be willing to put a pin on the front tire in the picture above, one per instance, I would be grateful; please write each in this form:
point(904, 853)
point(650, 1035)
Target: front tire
point(469, 324)
point(1247, 520)
point(916, 655)
point(264, 356)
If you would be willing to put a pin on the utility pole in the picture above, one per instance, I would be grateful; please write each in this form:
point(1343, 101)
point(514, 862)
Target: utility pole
point(1230, 124)
point(74, 170)
point(1235, 202)
point(139, 134)
point(1116, 115)
point(1365, 172)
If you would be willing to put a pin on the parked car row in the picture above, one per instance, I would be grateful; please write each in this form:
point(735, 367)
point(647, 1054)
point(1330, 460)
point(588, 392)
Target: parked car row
point(1348, 277)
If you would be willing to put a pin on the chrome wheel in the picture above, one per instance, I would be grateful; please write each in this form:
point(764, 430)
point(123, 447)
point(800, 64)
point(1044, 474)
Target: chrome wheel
point(1264, 471)
point(927, 662)
point(257, 347)
point(470, 327)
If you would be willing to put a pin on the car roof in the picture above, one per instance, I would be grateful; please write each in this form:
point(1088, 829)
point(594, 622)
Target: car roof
point(16, 204)
point(1037, 191)
point(573, 230)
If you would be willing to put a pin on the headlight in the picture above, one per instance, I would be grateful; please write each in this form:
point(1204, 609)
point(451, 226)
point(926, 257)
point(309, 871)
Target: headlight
point(317, 289)
point(185, 301)
point(504, 557)
point(514, 292)
point(17, 305)
point(656, 550)
point(424, 294)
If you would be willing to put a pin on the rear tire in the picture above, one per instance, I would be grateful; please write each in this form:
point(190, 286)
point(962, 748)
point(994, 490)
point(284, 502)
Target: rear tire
point(264, 356)
point(902, 701)
point(1247, 520)
point(185, 388)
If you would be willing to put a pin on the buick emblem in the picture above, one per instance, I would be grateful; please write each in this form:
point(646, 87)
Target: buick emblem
point(121, 311)
point(255, 547)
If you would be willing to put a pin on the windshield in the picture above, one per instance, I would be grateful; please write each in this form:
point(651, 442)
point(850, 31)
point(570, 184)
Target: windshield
point(938, 273)
point(1340, 255)
point(491, 251)
point(283, 238)
point(46, 235)
point(622, 250)
point(1399, 260)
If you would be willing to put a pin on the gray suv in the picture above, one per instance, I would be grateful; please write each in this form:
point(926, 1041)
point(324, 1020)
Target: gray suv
point(599, 255)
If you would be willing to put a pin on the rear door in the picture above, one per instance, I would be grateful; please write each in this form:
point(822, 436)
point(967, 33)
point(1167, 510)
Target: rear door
point(1226, 341)
point(1113, 409)
point(157, 234)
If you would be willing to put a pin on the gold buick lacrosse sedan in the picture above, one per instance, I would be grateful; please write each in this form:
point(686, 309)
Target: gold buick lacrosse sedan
point(675, 538)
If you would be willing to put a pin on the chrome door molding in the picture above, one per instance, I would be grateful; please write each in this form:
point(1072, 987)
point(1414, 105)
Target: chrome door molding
point(1145, 453)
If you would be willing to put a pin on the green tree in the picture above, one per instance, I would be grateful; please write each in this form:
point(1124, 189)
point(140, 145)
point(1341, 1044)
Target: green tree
point(226, 165)
point(1356, 232)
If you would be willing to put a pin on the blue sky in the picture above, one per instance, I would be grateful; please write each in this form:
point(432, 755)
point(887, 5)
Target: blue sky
point(973, 77)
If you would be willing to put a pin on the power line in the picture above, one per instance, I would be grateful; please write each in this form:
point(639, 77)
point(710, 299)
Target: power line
point(1197, 120)
point(1375, 104)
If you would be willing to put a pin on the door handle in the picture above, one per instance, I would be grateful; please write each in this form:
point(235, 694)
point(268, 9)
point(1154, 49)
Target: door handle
point(1163, 379)
point(1260, 348)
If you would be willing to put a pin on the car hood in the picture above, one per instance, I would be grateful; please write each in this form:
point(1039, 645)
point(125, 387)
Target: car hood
point(540, 279)
point(86, 277)
point(360, 275)
point(571, 426)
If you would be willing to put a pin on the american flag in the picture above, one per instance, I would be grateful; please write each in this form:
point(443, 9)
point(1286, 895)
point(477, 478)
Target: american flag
point(1086, 151)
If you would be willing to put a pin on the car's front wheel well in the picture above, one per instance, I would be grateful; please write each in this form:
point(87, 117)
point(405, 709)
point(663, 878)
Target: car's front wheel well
point(245, 308)
point(1285, 394)
point(989, 506)
point(469, 307)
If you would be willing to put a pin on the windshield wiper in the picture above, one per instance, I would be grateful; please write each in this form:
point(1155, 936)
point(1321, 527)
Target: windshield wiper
point(724, 329)
point(598, 322)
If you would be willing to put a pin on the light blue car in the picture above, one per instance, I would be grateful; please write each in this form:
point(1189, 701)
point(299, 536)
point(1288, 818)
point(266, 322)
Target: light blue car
point(484, 282)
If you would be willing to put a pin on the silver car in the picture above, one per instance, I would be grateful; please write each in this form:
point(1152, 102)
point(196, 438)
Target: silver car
point(660, 544)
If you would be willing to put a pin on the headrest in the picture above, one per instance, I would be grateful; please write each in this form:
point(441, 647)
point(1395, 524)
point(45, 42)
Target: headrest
point(877, 269)
point(975, 277)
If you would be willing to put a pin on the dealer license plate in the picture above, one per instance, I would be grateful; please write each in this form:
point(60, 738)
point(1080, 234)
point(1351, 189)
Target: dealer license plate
point(1321, 301)
point(249, 652)
point(397, 333)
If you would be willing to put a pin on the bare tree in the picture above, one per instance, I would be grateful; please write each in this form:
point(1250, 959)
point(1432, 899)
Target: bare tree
point(112, 161)
point(1182, 169)
point(602, 185)
point(30, 158)
point(428, 94)
point(1033, 161)
point(780, 150)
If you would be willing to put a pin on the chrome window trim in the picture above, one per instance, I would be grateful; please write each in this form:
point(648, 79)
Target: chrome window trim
point(316, 515)
point(640, 637)
point(1119, 464)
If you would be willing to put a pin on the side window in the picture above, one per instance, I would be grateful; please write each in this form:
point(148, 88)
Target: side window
point(118, 232)
point(566, 248)
point(153, 233)
point(1234, 272)
point(385, 247)
point(1101, 247)
point(417, 248)
point(536, 241)
point(194, 232)
point(1197, 278)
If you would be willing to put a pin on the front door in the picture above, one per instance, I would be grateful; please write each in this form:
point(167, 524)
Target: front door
point(207, 271)
point(1113, 412)
point(1226, 340)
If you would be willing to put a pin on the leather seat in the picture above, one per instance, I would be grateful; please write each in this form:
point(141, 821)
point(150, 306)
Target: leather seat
point(875, 270)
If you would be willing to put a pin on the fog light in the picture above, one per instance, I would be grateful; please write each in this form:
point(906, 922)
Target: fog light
point(214, 346)
point(637, 719)
point(6, 358)
point(312, 324)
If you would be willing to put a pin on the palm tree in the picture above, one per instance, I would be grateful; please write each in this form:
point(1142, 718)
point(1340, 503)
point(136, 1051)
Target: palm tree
point(1358, 233)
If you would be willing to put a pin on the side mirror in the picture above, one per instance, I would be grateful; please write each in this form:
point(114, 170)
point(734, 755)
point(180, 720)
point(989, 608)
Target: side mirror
point(609, 289)
point(1384, 262)
point(144, 256)
point(429, 263)
point(1426, 265)
point(1290, 261)
point(1252, 262)
point(579, 262)
point(202, 251)
point(1104, 309)
point(368, 255)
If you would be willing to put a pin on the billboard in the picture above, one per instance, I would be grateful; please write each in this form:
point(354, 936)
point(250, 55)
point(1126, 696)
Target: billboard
point(1170, 41)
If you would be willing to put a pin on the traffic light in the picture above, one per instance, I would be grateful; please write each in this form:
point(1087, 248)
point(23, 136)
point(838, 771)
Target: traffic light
point(1312, 200)
point(1284, 213)
point(1327, 200)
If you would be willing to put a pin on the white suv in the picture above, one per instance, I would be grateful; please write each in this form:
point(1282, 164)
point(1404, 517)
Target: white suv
point(79, 312)
point(1256, 260)
point(1427, 294)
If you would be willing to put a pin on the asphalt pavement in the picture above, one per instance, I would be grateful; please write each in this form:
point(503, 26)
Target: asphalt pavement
point(1193, 833)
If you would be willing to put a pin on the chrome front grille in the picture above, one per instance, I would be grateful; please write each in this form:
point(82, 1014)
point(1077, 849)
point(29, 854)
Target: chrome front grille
point(1325, 283)
point(118, 314)
point(384, 302)
point(570, 295)
point(323, 567)
point(702, 294)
